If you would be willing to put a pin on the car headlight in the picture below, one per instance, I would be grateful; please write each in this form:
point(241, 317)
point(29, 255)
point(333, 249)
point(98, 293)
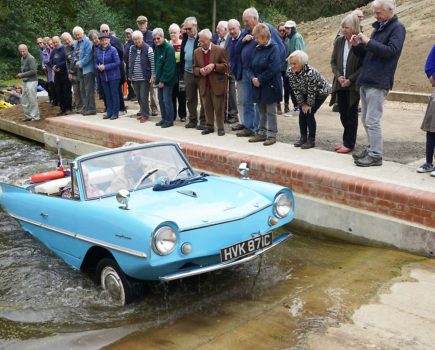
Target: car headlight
point(165, 240)
point(282, 205)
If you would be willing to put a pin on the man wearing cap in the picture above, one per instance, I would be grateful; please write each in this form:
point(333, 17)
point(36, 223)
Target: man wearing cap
point(29, 74)
point(295, 42)
point(142, 25)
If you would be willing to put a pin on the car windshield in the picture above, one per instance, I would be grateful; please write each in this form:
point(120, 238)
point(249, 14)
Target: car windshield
point(132, 169)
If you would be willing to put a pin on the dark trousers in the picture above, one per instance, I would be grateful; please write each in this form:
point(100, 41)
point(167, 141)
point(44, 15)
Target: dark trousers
point(62, 87)
point(286, 85)
point(292, 96)
point(179, 96)
point(52, 93)
point(111, 94)
point(307, 122)
point(87, 92)
point(348, 117)
point(430, 146)
point(121, 97)
point(131, 93)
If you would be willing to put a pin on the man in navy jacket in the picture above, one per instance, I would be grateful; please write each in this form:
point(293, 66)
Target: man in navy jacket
point(381, 53)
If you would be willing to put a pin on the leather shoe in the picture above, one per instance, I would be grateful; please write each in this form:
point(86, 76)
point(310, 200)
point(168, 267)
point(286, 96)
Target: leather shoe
point(238, 127)
point(245, 133)
point(106, 117)
point(113, 117)
point(201, 127)
point(190, 125)
point(160, 123)
point(344, 149)
point(167, 125)
point(138, 114)
point(221, 132)
point(207, 131)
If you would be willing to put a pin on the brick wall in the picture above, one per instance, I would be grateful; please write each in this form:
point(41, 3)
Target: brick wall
point(401, 202)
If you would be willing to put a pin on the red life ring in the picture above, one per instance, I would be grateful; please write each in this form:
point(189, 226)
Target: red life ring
point(50, 175)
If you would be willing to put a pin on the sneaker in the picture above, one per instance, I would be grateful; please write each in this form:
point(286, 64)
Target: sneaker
point(269, 141)
point(258, 138)
point(432, 173)
point(368, 161)
point(113, 117)
point(360, 155)
point(143, 119)
point(221, 132)
point(425, 168)
point(296, 109)
point(154, 113)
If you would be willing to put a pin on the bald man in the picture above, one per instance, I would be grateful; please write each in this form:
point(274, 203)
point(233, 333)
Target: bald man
point(29, 75)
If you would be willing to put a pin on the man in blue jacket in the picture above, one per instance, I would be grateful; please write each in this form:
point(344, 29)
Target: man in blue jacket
point(381, 53)
point(84, 62)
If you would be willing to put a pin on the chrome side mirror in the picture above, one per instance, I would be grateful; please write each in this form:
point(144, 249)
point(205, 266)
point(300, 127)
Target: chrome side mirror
point(244, 171)
point(122, 197)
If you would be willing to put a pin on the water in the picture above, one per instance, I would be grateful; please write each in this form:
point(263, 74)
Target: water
point(305, 285)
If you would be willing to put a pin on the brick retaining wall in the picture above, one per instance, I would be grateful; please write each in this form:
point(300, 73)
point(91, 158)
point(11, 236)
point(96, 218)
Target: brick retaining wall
point(416, 206)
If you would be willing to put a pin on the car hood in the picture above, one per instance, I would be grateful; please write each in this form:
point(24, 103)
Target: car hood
point(202, 203)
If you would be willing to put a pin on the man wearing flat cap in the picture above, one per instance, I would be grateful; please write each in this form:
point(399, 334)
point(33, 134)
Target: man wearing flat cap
point(142, 25)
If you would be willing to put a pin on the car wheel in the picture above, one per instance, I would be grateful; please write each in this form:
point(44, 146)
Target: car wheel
point(112, 279)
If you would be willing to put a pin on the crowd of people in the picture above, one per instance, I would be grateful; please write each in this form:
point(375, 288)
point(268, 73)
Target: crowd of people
point(244, 76)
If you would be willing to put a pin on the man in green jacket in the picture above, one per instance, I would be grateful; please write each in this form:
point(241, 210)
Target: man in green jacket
point(29, 75)
point(166, 76)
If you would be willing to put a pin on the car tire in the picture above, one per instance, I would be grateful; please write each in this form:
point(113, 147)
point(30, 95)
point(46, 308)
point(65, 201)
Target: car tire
point(122, 289)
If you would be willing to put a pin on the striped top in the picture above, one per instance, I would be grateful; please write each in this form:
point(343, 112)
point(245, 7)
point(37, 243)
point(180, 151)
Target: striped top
point(137, 73)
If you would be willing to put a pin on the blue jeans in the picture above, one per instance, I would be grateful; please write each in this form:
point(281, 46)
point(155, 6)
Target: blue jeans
point(111, 93)
point(165, 103)
point(250, 115)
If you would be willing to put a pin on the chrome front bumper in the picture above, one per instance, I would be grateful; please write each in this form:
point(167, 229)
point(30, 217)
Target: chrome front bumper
point(201, 270)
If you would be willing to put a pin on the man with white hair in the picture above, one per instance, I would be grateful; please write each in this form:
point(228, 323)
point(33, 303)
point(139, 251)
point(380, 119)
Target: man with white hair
point(188, 45)
point(117, 44)
point(72, 71)
point(223, 40)
point(250, 115)
point(84, 63)
point(236, 67)
point(29, 75)
point(211, 67)
point(381, 54)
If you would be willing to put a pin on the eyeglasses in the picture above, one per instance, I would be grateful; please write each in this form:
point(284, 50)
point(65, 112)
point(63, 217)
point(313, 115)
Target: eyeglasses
point(105, 31)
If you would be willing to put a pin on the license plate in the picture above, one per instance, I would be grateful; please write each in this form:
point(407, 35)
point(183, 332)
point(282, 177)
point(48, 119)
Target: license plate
point(246, 247)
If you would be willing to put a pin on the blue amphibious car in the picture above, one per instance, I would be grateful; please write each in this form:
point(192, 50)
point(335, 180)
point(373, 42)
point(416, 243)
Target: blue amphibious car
point(142, 213)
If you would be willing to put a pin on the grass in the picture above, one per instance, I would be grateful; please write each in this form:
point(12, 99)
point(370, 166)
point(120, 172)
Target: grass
point(11, 82)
